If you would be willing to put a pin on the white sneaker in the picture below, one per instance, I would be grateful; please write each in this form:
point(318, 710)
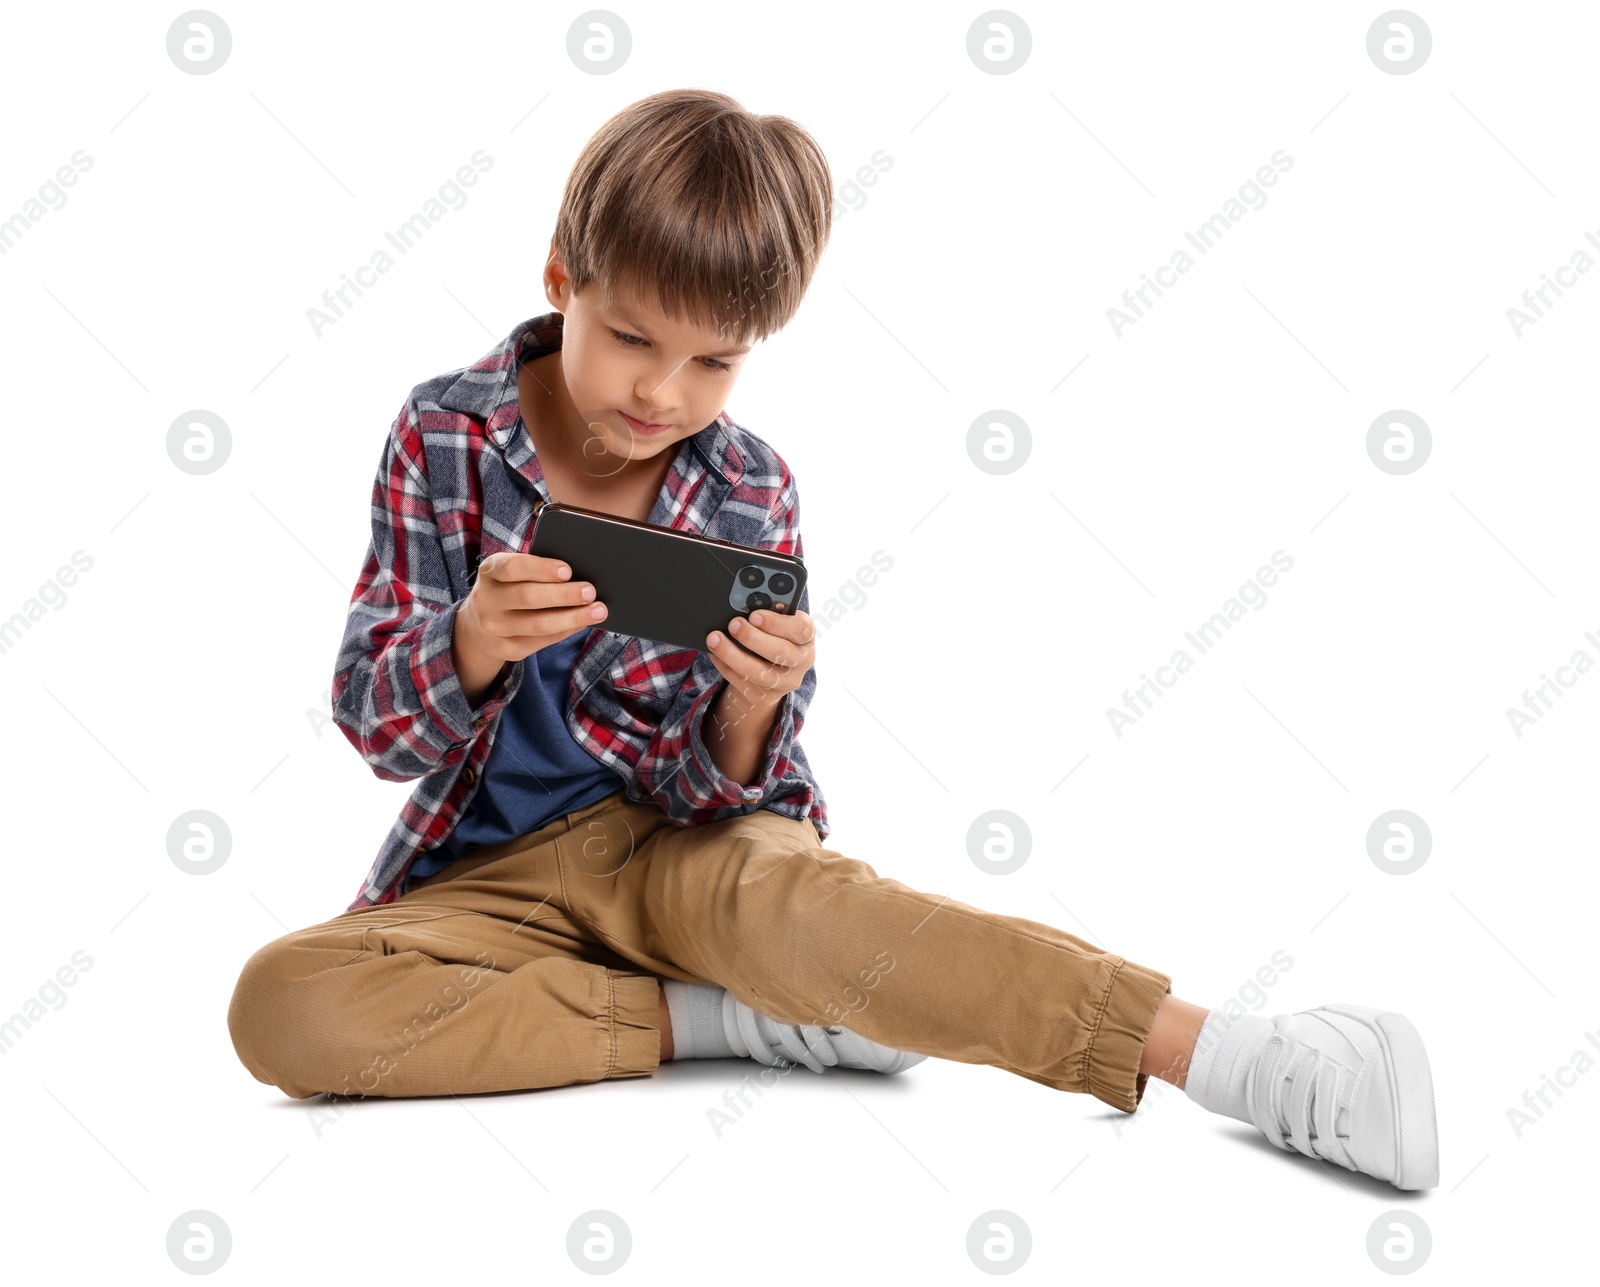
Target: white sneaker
point(1349, 1084)
point(756, 1036)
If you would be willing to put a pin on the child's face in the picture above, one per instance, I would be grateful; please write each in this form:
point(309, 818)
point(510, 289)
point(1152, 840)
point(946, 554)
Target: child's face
point(664, 372)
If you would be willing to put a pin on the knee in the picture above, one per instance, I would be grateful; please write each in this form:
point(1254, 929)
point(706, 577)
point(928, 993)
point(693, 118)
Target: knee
point(269, 1018)
point(255, 1010)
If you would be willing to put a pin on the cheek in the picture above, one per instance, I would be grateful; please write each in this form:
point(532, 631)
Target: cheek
point(712, 390)
point(593, 378)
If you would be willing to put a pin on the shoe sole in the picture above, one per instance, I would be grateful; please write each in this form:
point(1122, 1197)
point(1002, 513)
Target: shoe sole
point(907, 1059)
point(1416, 1127)
point(862, 1057)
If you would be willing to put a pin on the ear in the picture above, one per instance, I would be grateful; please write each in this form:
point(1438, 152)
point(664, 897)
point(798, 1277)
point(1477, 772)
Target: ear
point(557, 285)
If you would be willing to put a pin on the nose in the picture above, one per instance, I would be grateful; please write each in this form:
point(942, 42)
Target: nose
point(657, 390)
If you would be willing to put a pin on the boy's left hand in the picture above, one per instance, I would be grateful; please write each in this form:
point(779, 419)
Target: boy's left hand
point(786, 644)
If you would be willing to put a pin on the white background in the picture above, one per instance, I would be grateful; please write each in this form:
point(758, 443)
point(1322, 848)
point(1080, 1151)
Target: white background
point(185, 668)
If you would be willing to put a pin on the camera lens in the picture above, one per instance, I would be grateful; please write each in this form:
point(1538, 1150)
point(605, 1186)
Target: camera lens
point(750, 575)
point(781, 583)
point(758, 600)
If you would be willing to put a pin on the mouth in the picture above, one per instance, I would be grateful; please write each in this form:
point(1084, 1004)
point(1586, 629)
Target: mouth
point(640, 427)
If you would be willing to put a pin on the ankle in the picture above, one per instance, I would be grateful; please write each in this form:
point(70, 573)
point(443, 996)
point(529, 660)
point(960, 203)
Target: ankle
point(666, 1027)
point(1170, 1045)
point(693, 1027)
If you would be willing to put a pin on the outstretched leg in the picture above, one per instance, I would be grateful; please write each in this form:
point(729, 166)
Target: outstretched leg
point(805, 935)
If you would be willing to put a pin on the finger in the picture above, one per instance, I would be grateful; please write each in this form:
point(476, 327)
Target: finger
point(528, 644)
point(747, 667)
point(731, 659)
point(578, 618)
point(778, 623)
point(508, 565)
point(524, 622)
point(722, 668)
point(758, 639)
point(518, 647)
point(532, 595)
point(796, 628)
point(733, 666)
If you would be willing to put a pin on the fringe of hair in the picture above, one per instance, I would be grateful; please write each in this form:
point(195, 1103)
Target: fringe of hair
point(716, 215)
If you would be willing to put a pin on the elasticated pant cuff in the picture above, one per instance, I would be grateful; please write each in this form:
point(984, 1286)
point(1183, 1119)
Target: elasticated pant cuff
point(1132, 999)
point(635, 1024)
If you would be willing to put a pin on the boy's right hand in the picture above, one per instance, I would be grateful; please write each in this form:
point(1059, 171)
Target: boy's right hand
point(521, 603)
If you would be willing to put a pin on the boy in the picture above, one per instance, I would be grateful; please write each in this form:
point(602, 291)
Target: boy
point(614, 852)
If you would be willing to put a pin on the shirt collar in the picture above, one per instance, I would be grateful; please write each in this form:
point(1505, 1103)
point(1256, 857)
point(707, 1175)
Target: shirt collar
point(487, 391)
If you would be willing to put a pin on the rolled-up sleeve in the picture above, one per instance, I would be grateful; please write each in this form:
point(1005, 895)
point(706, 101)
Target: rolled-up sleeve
point(396, 695)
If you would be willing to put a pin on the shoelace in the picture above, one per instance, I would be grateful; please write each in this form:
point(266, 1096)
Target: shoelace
point(1305, 1093)
point(804, 1043)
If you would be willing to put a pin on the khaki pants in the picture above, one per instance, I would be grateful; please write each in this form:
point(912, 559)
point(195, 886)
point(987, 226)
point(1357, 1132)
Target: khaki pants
point(535, 963)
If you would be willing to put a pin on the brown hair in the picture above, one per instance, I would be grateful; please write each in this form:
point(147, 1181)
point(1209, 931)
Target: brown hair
point(687, 199)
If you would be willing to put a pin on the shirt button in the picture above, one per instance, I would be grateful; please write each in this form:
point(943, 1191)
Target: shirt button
point(469, 775)
point(479, 722)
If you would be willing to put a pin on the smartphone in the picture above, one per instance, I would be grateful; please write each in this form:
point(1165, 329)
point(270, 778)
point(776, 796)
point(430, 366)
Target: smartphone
point(662, 584)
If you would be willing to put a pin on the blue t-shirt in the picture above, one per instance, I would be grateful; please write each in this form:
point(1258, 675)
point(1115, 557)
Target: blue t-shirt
point(535, 773)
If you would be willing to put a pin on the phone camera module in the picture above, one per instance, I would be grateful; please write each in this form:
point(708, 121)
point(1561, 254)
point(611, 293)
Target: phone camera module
point(757, 586)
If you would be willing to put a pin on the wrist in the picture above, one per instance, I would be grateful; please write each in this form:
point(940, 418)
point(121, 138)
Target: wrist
point(476, 668)
point(736, 734)
point(735, 707)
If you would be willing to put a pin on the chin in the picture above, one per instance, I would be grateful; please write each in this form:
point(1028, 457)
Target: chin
point(653, 445)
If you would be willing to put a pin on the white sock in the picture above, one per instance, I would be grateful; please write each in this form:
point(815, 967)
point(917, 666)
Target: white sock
point(1224, 1055)
point(696, 1013)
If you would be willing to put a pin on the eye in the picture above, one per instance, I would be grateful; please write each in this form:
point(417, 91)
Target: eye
point(624, 339)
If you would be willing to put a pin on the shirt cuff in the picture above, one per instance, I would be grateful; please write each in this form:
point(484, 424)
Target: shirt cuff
point(708, 783)
point(443, 699)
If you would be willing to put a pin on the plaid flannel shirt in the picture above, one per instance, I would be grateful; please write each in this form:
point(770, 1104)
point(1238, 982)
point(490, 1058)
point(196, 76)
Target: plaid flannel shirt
point(458, 480)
